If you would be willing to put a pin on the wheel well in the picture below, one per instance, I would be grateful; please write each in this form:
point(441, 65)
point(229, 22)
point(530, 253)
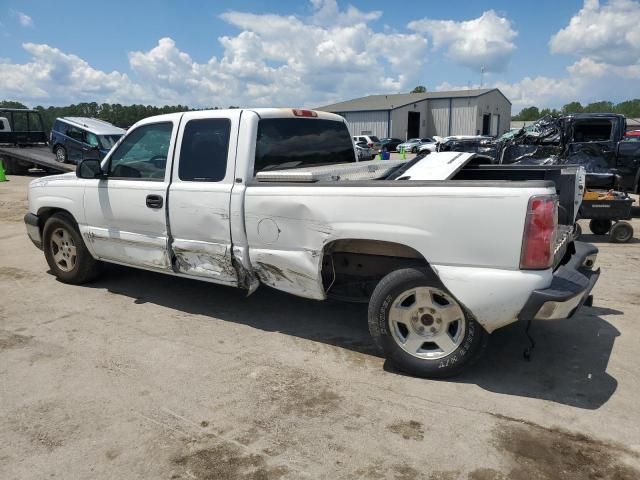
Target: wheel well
point(351, 268)
point(47, 212)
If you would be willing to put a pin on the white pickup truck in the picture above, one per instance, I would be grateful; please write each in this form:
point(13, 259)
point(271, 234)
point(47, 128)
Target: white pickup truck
point(444, 249)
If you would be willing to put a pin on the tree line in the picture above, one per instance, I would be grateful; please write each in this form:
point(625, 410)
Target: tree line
point(120, 115)
point(628, 108)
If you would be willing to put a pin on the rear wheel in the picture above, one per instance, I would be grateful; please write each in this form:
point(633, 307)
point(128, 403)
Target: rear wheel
point(61, 154)
point(414, 150)
point(420, 327)
point(621, 232)
point(65, 251)
point(600, 226)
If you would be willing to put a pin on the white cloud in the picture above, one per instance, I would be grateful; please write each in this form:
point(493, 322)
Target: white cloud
point(54, 76)
point(273, 60)
point(607, 33)
point(486, 41)
point(24, 19)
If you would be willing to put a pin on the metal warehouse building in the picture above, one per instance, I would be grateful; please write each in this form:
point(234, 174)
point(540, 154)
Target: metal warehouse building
point(410, 115)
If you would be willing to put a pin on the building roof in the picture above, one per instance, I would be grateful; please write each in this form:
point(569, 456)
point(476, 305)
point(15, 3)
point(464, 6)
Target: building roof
point(397, 100)
point(94, 125)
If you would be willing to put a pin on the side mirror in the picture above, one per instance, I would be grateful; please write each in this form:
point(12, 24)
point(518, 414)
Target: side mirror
point(89, 168)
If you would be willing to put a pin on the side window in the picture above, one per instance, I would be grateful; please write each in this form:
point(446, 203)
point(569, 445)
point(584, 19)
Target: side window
point(204, 150)
point(143, 153)
point(60, 127)
point(92, 139)
point(75, 133)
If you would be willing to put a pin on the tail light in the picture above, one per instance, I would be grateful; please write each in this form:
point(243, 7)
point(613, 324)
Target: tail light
point(370, 144)
point(304, 113)
point(539, 232)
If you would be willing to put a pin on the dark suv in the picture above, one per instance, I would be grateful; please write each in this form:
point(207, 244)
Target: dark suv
point(77, 138)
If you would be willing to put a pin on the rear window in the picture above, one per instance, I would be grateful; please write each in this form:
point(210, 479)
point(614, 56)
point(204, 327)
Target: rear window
point(296, 142)
point(374, 139)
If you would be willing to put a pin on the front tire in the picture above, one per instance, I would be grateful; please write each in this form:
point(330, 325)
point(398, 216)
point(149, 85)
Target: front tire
point(61, 154)
point(421, 328)
point(414, 150)
point(66, 254)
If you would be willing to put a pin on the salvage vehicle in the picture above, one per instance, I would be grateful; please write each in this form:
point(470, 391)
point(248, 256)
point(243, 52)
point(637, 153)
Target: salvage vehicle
point(364, 151)
point(594, 140)
point(245, 197)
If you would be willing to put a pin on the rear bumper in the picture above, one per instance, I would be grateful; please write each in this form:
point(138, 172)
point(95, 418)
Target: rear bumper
point(32, 223)
point(571, 285)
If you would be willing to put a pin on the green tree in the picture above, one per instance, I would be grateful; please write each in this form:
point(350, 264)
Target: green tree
point(599, 107)
point(419, 89)
point(528, 114)
point(629, 108)
point(11, 104)
point(572, 107)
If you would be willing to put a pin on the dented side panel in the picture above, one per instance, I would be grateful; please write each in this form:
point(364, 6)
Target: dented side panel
point(204, 259)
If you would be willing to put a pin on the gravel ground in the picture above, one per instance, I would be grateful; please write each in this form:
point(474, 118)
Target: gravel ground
point(144, 376)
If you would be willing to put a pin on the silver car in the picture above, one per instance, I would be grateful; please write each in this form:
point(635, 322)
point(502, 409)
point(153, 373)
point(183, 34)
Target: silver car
point(364, 152)
point(413, 144)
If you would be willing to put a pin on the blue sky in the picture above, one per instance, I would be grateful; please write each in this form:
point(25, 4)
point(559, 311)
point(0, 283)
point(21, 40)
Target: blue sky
point(309, 53)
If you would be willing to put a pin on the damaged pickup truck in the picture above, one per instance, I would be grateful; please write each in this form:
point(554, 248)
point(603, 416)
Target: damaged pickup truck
point(594, 140)
point(444, 249)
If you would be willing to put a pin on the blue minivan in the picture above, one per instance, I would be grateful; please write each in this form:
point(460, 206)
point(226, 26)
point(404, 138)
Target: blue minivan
point(74, 139)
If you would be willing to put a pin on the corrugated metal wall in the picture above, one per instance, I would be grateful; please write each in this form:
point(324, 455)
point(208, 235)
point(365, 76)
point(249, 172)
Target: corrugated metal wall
point(367, 123)
point(463, 118)
point(438, 122)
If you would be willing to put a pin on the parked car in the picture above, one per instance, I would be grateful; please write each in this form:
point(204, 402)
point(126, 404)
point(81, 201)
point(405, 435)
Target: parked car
point(391, 144)
point(364, 151)
point(275, 197)
point(413, 144)
point(429, 146)
point(77, 138)
point(371, 140)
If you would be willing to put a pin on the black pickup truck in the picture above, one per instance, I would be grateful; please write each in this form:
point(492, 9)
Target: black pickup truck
point(595, 140)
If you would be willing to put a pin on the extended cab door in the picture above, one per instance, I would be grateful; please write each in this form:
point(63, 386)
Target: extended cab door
point(200, 196)
point(126, 212)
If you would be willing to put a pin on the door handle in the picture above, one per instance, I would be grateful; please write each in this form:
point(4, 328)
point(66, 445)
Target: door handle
point(154, 201)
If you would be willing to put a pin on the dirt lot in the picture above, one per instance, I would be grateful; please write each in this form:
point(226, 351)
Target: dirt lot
point(141, 375)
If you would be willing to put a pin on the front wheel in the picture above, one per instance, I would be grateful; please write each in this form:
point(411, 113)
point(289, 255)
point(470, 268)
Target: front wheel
point(66, 253)
point(414, 150)
point(61, 154)
point(420, 327)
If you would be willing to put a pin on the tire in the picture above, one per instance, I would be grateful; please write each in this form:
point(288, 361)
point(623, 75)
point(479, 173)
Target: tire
point(600, 226)
point(414, 150)
point(621, 232)
point(65, 251)
point(61, 154)
point(421, 329)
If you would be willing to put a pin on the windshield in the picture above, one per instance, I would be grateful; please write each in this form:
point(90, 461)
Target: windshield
point(108, 141)
point(300, 142)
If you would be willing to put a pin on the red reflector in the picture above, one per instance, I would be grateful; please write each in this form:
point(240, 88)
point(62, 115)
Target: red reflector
point(539, 232)
point(304, 113)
